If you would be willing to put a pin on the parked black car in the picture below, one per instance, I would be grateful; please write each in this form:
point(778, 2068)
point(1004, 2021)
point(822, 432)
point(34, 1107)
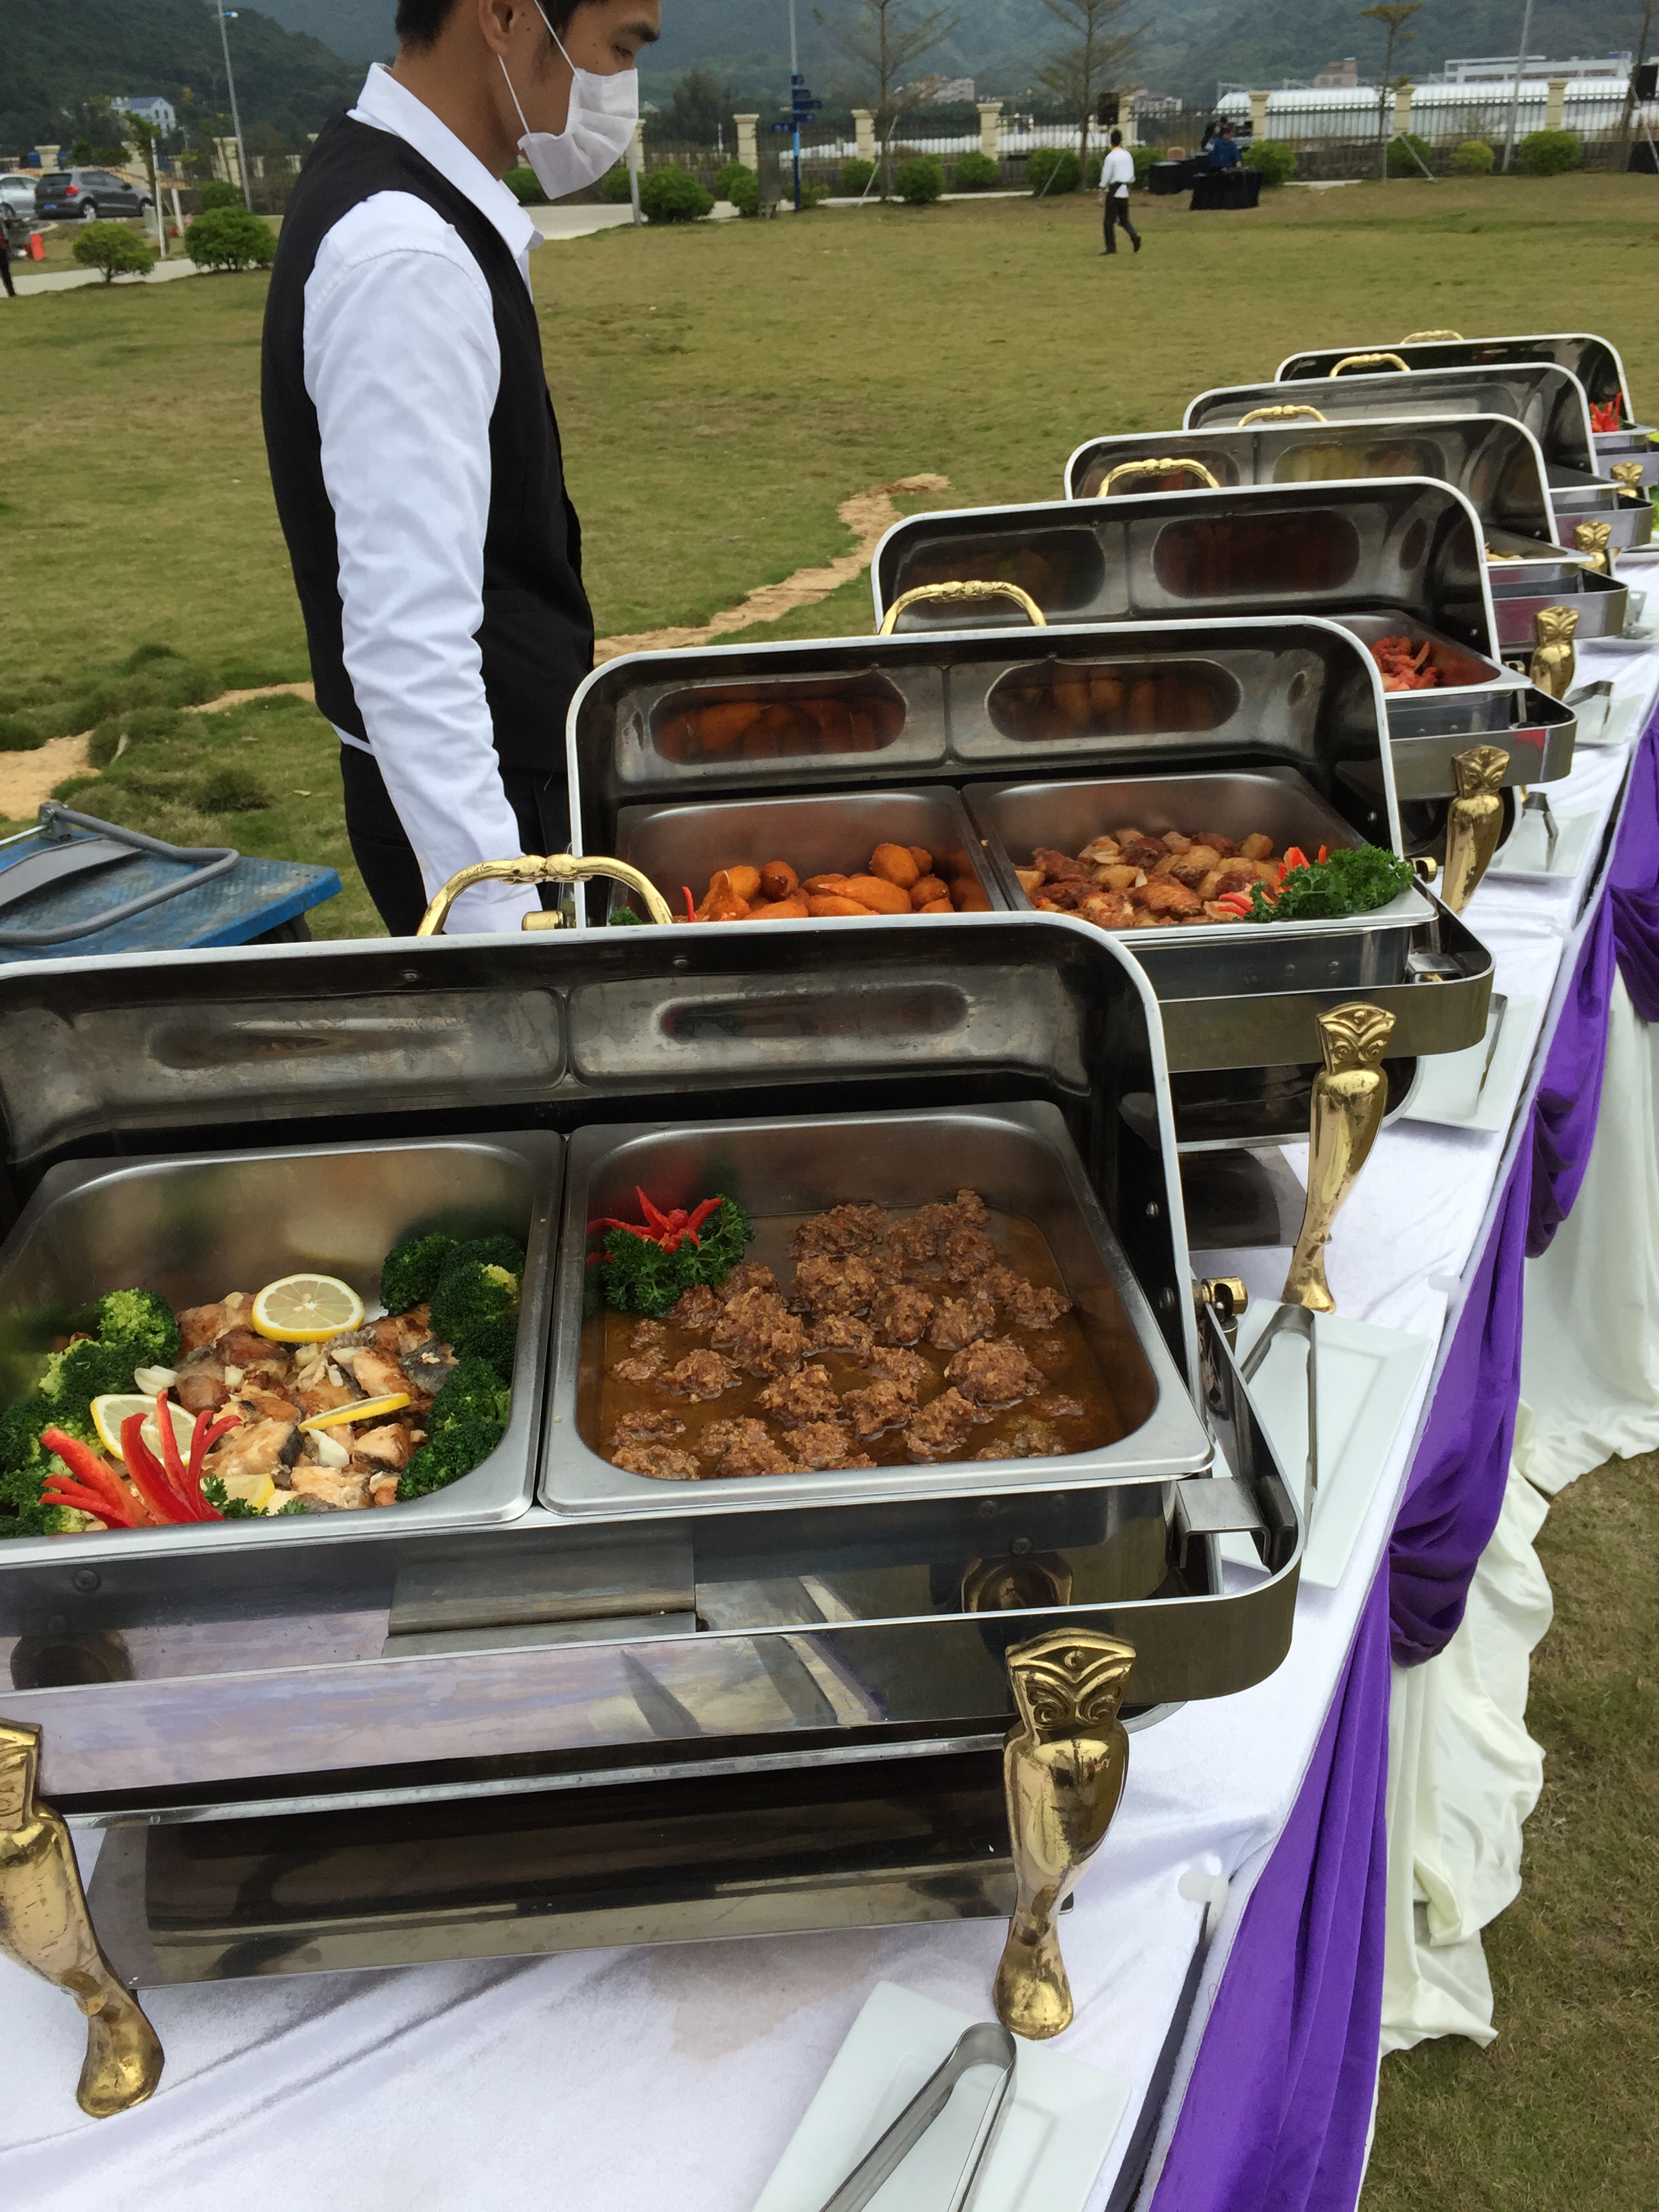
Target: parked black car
point(87, 196)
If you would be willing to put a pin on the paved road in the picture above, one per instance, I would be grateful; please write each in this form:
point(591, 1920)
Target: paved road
point(65, 280)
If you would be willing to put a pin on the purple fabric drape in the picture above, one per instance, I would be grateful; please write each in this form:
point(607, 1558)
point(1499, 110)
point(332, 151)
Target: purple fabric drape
point(1277, 2112)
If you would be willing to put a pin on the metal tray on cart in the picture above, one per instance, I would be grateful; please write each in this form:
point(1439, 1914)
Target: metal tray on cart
point(435, 1662)
point(1397, 558)
point(194, 1226)
point(1021, 1161)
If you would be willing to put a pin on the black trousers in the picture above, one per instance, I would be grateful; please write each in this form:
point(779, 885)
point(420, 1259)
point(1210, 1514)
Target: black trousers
point(385, 859)
point(1117, 211)
point(5, 266)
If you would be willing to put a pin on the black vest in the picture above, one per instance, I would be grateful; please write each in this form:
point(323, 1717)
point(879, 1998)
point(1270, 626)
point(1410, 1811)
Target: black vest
point(537, 636)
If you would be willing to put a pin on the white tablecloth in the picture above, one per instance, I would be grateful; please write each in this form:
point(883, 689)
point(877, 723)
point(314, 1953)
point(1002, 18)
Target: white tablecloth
point(622, 2080)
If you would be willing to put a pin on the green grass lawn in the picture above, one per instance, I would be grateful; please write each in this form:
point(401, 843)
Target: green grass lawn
point(721, 388)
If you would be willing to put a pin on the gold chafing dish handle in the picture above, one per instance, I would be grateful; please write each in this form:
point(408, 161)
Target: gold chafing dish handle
point(1371, 361)
point(969, 590)
point(1554, 661)
point(1472, 822)
point(1428, 337)
point(1063, 1767)
point(44, 1926)
point(1594, 540)
point(1181, 461)
point(1299, 414)
point(534, 868)
point(1350, 1098)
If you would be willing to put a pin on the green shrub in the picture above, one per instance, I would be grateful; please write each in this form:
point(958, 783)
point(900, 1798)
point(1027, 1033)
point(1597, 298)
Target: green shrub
point(673, 195)
point(613, 186)
point(1548, 152)
point(813, 193)
point(1473, 158)
point(975, 173)
point(525, 186)
point(1052, 170)
point(745, 194)
point(1272, 160)
point(230, 238)
point(134, 725)
point(213, 192)
point(855, 175)
point(1401, 151)
point(919, 180)
point(1093, 169)
point(726, 175)
point(233, 791)
point(1144, 157)
point(113, 248)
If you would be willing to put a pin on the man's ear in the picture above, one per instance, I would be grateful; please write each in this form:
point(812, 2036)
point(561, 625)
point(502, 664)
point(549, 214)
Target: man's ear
point(497, 22)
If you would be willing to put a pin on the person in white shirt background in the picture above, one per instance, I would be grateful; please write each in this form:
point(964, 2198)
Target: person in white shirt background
point(413, 448)
point(1117, 174)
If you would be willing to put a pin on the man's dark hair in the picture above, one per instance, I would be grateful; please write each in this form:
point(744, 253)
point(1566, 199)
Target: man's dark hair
point(420, 22)
point(1117, 137)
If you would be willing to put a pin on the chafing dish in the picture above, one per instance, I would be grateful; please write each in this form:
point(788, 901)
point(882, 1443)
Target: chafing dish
point(460, 1734)
point(1526, 577)
point(1382, 558)
point(195, 1225)
point(680, 846)
point(1021, 1161)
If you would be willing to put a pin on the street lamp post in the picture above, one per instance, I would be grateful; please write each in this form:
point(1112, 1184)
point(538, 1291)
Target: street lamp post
point(225, 15)
point(1514, 91)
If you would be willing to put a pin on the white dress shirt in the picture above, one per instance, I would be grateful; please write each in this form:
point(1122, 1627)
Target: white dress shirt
point(402, 365)
point(1118, 172)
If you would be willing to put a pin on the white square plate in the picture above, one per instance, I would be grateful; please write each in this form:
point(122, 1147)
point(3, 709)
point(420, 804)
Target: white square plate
point(1366, 1380)
point(1449, 1090)
point(1055, 2136)
point(1525, 856)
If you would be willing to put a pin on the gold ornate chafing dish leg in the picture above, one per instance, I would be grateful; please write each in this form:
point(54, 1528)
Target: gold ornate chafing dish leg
point(1554, 660)
point(1473, 822)
point(1350, 1098)
point(1063, 1767)
point(1628, 475)
point(1176, 462)
point(972, 588)
point(534, 868)
point(1593, 540)
point(44, 1926)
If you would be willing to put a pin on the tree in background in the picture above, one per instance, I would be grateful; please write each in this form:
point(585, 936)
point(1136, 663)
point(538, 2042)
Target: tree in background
point(698, 111)
point(884, 47)
point(113, 248)
point(1094, 60)
point(1393, 15)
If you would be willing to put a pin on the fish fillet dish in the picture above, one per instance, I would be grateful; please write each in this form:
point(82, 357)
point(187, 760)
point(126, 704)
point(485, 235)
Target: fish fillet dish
point(876, 1338)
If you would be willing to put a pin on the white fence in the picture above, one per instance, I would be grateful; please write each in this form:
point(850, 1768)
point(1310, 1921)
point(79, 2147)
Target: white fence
point(1444, 114)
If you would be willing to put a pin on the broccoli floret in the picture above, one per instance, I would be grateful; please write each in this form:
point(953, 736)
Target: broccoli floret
point(20, 1429)
point(472, 1391)
point(87, 1370)
point(479, 1284)
point(409, 1272)
point(495, 1341)
point(229, 1508)
point(21, 1513)
point(142, 1319)
point(468, 1420)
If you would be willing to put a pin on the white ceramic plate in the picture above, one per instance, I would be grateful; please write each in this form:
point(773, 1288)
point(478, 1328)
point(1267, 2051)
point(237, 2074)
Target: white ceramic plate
point(1526, 858)
point(1449, 1090)
point(1367, 1378)
point(1056, 2133)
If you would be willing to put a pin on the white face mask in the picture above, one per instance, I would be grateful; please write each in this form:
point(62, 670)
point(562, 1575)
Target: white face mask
point(604, 111)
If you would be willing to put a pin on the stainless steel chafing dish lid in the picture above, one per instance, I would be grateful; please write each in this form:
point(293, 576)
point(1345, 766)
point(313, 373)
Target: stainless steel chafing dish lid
point(1549, 401)
point(1292, 689)
point(1405, 544)
point(1595, 362)
point(1494, 461)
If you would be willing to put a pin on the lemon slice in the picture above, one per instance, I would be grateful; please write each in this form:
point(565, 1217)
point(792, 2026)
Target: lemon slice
point(117, 1405)
point(254, 1490)
point(307, 1308)
point(364, 1409)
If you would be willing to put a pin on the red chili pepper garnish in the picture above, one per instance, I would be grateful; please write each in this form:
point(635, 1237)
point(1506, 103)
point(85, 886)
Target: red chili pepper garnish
point(667, 1230)
point(206, 1433)
point(1324, 854)
point(60, 1490)
point(150, 1477)
point(1294, 858)
point(690, 903)
point(87, 1471)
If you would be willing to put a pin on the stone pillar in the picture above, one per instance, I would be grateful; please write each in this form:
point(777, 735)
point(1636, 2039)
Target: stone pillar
point(864, 123)
point(48, 156)
point(1403, 107)
point(746, 152)
point(990, 129)
point(1555, 108)
point(1258, 114)
point(1126, 125)
point(226, 163)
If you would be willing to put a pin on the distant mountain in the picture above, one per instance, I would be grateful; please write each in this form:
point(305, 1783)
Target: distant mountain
point(53, 58)
point(361, 30)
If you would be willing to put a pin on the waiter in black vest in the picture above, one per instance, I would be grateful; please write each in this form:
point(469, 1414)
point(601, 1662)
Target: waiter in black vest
point(413, 449)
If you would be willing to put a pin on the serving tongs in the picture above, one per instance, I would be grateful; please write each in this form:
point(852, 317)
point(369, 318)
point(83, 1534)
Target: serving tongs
point(986, 2045)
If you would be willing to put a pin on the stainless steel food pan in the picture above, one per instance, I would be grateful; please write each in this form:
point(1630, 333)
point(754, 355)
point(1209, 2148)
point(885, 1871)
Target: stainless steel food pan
point(196, 1226)
point(1018, 1158)
point(1321, 549)
point(1594, 361)
point(1631, 441)
point(682, 846)
point(1277, 977)
point(1527, 577)
point(1494, 461)
point(1578, 498)
point(1549, 400)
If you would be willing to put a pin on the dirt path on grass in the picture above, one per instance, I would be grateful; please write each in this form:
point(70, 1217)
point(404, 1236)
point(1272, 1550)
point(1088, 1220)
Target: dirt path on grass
point(25, 779)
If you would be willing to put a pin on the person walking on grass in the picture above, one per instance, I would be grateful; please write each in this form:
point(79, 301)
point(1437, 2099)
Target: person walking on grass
point(1117, 174)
